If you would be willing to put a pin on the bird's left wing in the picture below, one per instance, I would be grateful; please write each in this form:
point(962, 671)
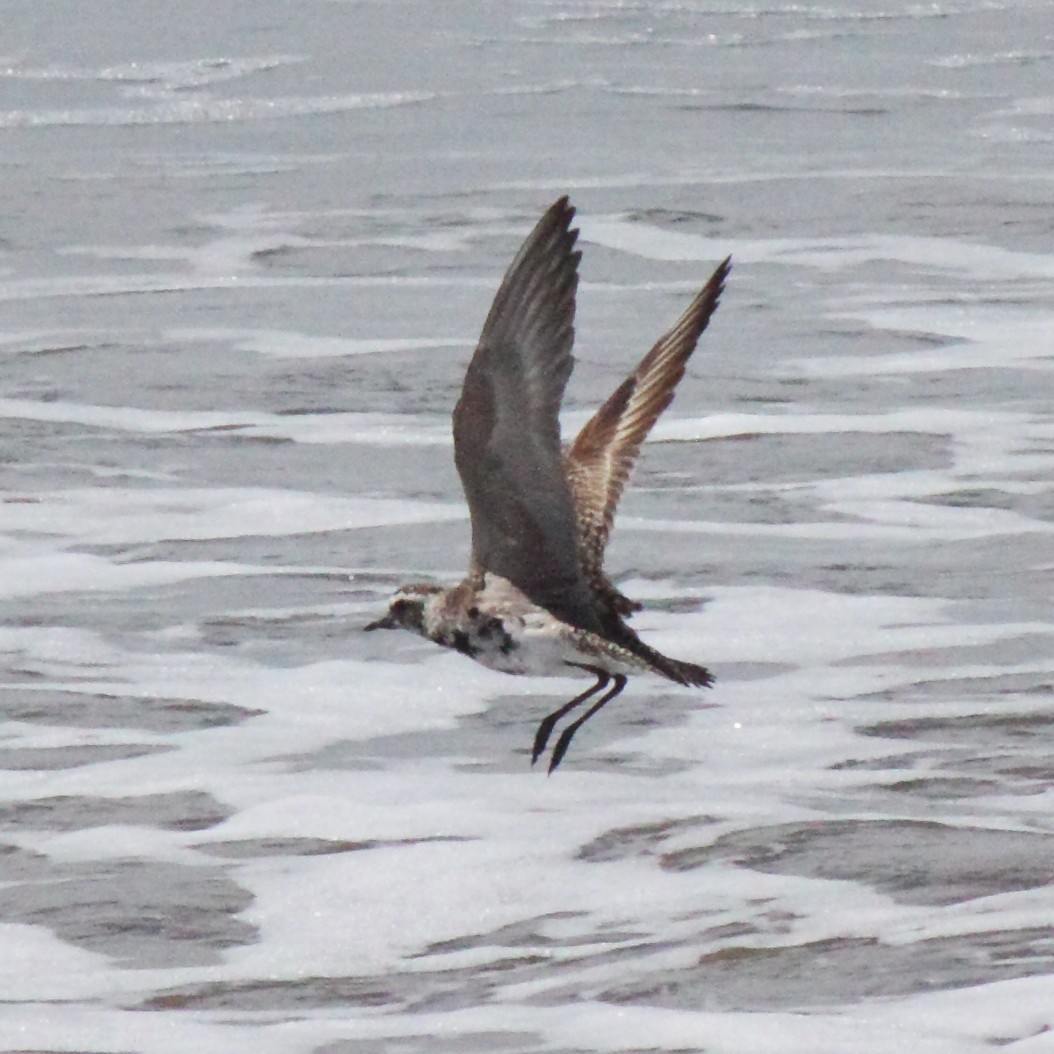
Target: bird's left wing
point(507, 430)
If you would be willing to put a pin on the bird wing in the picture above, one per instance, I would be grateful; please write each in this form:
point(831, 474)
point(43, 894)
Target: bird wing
point(601, 458)
point(507, 430)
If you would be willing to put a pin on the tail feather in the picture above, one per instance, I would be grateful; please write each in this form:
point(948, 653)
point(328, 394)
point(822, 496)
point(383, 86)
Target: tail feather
point(690, 673)
point(687, 673)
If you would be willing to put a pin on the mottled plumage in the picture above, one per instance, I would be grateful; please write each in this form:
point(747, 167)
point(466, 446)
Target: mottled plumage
point(536, 599)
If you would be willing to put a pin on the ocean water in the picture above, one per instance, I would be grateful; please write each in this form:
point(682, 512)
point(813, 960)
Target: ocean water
point(245, 252)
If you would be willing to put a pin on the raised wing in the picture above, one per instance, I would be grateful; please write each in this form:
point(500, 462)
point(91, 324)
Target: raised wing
point(599, 461)
point(507, 430)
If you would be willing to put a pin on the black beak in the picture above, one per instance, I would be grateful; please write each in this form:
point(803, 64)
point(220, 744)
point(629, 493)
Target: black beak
point(384, 622)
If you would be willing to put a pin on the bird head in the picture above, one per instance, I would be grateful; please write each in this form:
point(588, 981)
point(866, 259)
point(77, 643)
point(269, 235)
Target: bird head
point(406, 610)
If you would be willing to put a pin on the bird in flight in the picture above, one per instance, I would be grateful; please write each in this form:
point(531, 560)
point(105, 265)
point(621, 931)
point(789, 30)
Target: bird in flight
point(536, 599)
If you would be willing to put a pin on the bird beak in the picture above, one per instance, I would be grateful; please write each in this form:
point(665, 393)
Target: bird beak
point(384, 622)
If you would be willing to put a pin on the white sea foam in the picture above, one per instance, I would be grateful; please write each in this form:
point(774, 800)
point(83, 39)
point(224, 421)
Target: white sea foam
point(192, 111)
point(125, 516)
point(830, 254)
point(305, 428)
point(170, 76)
point(290, 345)
point(28, 574)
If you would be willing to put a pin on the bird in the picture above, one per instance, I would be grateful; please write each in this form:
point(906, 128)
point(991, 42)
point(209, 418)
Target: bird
point(536, 599)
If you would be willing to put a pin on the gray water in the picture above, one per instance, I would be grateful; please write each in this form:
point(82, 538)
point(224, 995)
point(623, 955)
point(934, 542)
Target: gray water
point(245, 252)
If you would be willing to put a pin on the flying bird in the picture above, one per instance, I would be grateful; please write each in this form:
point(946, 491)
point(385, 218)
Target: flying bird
point(536, 599)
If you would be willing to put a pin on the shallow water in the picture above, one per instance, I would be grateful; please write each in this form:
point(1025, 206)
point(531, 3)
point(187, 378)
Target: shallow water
point(243, 263)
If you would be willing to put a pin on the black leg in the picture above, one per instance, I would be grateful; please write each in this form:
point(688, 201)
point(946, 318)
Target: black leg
point(565, 737)
point(545, 729)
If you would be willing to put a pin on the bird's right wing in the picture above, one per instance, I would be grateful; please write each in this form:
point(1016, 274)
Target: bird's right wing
point(601, 458)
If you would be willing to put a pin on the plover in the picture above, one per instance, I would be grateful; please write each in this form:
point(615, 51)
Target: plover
point(536, 599)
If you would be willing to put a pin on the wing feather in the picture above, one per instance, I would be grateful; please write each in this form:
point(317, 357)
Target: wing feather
point(600, 460)
point(507, 430)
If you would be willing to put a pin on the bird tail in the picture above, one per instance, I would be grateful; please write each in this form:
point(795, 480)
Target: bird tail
point(687, 673)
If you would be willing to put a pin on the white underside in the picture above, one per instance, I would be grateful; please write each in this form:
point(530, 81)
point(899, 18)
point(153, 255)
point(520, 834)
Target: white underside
point(542, 645)
point(542, 648)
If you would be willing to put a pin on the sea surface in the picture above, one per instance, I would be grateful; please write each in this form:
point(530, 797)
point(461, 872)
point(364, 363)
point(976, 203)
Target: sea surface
point(245, 252)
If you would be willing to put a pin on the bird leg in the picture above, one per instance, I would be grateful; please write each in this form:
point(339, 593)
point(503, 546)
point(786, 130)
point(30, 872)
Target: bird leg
point(545, 729)
point(565, 737)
